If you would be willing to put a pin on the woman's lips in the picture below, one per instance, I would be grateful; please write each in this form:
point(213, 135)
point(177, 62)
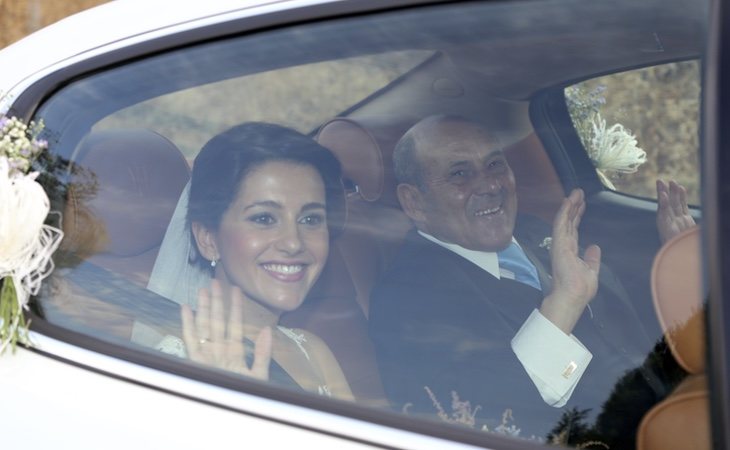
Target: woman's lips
point(285, 272)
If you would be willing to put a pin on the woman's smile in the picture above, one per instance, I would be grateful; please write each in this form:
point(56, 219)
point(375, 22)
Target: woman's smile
point(285, 272)
point(273, 239)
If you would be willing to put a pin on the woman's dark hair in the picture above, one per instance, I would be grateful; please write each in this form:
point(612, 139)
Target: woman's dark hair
point(225, 161)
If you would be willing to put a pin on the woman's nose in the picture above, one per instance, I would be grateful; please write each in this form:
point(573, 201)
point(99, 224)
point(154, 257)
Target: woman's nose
point(290, 240)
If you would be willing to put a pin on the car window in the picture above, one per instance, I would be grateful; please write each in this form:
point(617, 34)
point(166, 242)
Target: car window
point(301, 97)
point(610, 111)
point(361, 211)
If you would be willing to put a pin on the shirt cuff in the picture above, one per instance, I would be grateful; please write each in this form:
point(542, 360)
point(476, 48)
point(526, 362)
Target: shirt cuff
point(554, 361)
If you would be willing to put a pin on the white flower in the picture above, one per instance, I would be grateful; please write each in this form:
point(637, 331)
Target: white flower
point(19, 143)
point(546, 243)
point(26, 243)
point(615, 148)
point(511, 430)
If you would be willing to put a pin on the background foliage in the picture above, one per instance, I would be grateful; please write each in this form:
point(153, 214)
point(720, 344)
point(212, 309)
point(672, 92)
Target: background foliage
point(19, 18)
point(660, 105)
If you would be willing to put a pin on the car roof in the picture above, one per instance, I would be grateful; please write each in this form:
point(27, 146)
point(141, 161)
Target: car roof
point(116, 22)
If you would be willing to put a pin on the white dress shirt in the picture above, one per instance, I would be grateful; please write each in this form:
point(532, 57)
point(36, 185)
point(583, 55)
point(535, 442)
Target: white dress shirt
point(554, 361)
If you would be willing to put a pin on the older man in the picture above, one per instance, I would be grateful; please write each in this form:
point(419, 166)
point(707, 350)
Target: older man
point(476, 306)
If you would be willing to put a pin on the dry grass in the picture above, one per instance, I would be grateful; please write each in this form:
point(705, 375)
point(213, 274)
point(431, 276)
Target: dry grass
point(19, 18)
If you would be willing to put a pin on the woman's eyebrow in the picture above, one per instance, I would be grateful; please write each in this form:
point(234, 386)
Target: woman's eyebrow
point(313, 205)
point(267, 203)
point(277, 205)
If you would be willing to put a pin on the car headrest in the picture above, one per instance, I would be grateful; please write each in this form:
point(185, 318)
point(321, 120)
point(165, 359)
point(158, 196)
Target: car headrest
point(123, 190)
point(539, 189)
point(359, 154)
point(677, 291)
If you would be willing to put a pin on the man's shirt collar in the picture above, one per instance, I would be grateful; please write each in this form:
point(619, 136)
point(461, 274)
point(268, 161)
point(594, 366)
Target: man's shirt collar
point(487, 261)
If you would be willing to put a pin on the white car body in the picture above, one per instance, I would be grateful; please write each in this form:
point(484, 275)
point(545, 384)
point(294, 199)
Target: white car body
point(114, 25)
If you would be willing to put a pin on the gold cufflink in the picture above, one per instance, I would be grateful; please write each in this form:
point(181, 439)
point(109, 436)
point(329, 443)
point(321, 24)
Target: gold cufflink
point(570, 369)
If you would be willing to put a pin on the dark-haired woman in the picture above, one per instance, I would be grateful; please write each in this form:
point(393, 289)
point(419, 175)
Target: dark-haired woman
point(262, 203)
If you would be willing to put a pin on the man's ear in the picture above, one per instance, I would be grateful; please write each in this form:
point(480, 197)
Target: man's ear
point(411, 200)
point(206, 242)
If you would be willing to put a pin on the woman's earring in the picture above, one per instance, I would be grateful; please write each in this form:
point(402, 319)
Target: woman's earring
point(212, 263)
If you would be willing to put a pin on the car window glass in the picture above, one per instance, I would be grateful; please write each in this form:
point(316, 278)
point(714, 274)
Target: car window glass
point(630, 147)
point(410, 272)
point(301, 97)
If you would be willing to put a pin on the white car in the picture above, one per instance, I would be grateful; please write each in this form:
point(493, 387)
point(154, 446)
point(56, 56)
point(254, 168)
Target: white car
point(606, 96)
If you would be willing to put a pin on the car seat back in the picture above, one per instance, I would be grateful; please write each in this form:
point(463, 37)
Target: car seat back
point(682, 419)
point(123, 190)
point(375, 223)
point(337, 307)
point(539, 190)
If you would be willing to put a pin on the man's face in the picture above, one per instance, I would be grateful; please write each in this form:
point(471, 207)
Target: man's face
point(469, 197)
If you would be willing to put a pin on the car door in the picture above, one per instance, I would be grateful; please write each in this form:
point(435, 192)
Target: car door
point(125, 121)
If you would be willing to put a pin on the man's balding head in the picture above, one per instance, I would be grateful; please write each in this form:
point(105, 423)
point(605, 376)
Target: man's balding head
point(455, 183)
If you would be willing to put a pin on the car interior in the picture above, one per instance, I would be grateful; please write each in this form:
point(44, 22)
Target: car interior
point(118, 173)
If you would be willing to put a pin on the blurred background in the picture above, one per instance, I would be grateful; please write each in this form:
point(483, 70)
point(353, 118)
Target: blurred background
point(19, 18)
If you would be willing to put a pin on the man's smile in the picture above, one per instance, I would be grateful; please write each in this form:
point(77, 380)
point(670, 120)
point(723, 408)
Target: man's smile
point(488, 212)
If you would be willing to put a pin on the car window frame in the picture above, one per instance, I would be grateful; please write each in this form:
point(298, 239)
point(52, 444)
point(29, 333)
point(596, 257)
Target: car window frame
point(715, 137)
point(36, 88)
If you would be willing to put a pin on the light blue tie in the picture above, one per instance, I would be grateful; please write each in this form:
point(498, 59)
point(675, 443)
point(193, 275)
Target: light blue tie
point(513, 258)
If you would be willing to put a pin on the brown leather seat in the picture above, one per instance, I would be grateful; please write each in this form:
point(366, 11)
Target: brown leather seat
point(337, 307)
point(123, 191)
point(375, 223)
point(539, 190)
point(681, 421)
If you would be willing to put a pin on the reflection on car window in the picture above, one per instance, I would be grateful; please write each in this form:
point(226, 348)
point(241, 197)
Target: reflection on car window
point(363, 209)
point(632, 147)
point(301, 97)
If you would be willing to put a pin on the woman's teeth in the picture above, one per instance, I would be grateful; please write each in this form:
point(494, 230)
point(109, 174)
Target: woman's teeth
point(284, 268)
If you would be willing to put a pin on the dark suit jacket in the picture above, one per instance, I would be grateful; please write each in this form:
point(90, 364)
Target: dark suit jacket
point(439, 321)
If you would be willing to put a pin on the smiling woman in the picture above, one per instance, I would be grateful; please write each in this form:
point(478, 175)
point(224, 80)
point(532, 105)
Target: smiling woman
point(272, 229)
point(259, 244)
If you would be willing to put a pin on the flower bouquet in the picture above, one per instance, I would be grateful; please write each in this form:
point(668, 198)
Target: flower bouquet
point(612, 149)
point(26, 242)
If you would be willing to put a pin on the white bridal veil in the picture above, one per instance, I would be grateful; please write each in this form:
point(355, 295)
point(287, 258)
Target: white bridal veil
point(174, 275)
